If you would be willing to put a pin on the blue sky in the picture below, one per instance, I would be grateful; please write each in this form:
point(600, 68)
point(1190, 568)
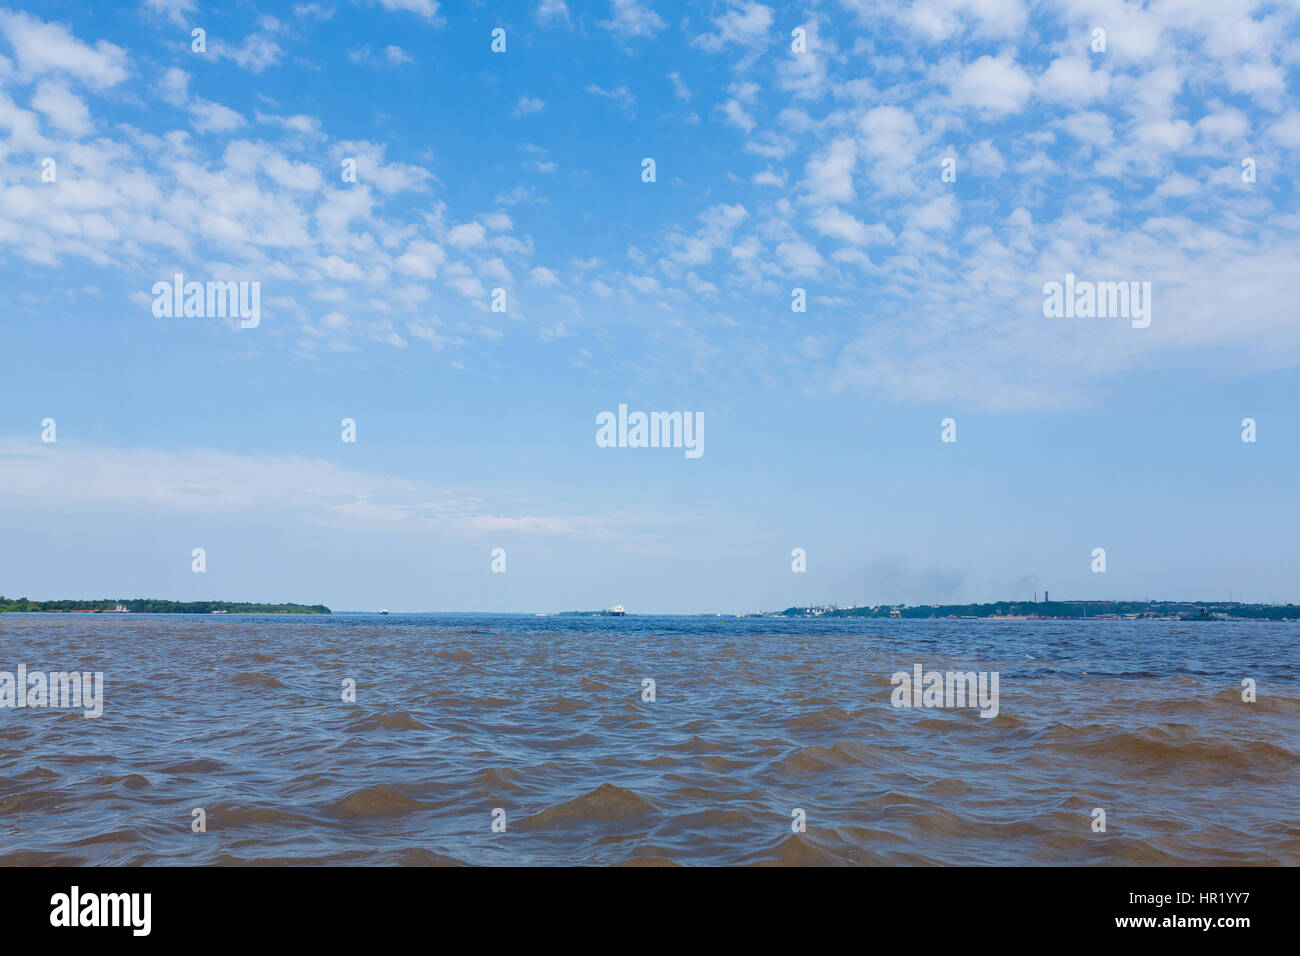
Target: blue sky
point(775, 170)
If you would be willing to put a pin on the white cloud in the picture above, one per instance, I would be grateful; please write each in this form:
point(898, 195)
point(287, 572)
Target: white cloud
point(468, 286)
point(290, 174)
point(179, 12)
point(1089, 127)
point(1287, 130)
point(312, 11)
point(891, 144)
point(632, 19)
point(1257, 78)
point(254, 54)
point(680, 89)
point(1177, 185)
point(64, 109)
point(935, 20)
point(551, 11)
point(995, 85)
point(620, 95)
point(838, 224)
point(42, 48)
point(828, 177)
point(824, 172)
point(800, 258)
point(219, 484)
point(428, 9)
point(941, 18)
point(735, 115)
point(984, 160)
point(373, 170)
point(467, 234)
point(1071, 79)
point(421, 259)
point(300, 124)
point(392, 56)
point(209, 117)
point(1224, 125)
point(745, 24)
point(528, 106)
point(939, 214)
point(174, 87)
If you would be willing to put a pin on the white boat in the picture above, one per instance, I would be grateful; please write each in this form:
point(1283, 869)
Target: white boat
point(383, 610)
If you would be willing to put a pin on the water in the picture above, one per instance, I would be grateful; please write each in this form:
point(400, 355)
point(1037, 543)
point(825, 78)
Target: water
point(457, 715)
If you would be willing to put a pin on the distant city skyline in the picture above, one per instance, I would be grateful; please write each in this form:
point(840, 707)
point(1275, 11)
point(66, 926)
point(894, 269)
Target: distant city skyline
point(458, 252)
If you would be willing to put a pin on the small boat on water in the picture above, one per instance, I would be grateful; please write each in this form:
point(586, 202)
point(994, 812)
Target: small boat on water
point(383, 610)
point(615, 611)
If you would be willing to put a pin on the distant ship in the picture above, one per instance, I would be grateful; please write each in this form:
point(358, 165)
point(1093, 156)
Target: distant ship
point(383, 610)
point(615, 611)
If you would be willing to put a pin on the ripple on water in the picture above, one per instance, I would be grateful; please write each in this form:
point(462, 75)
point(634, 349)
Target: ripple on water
point(372, 803)
point(255, 680)
point(606, 803)
point(458, 716)
point(398, 720)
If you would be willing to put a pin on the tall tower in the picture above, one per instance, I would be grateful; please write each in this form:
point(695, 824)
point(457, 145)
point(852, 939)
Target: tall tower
point(1046, 596)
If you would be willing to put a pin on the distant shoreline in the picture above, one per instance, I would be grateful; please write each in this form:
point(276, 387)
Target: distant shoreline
point(997, 611)
point(1062, 610)
point(152, 606)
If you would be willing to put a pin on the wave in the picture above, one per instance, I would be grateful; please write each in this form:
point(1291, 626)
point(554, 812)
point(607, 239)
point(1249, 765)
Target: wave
point(1160, 747)
point(398, 720)
point(259, 680)
point(816, 759)
point(606, 803)
point(377, 802)
point(547, 723)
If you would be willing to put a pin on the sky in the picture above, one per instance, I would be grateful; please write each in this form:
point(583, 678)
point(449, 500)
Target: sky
point(917, 174)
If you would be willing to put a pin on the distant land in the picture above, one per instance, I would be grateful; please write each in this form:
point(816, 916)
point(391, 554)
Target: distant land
point(1028, 610)
point(1000, 610)
point(155, 606)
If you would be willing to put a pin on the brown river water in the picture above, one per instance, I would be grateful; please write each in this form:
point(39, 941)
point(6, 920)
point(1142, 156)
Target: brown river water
point(544, 726)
